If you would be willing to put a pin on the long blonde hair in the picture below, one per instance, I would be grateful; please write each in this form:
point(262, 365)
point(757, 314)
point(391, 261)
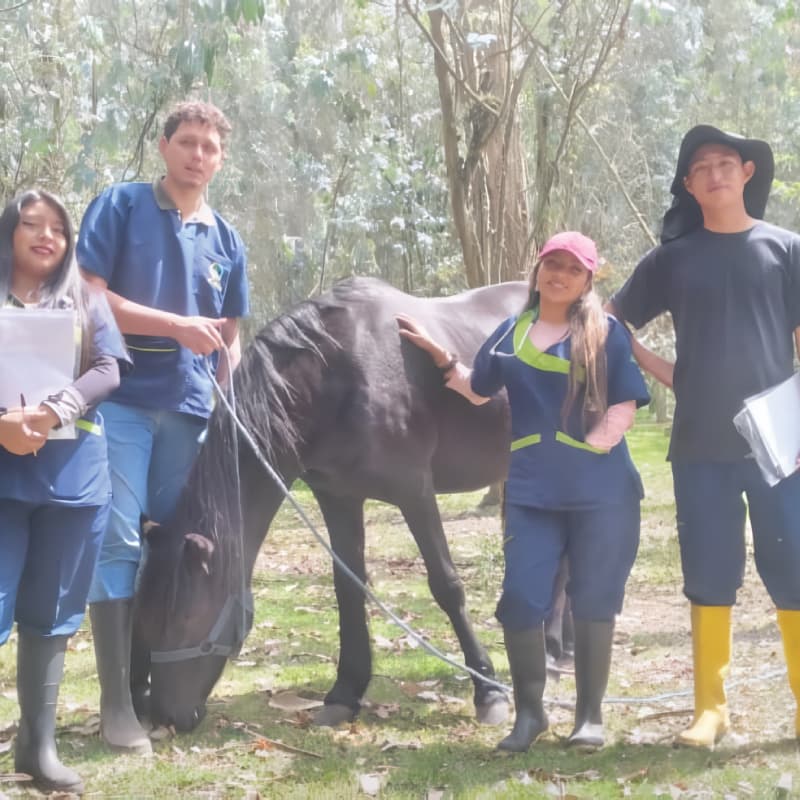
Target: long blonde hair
point(588, 331)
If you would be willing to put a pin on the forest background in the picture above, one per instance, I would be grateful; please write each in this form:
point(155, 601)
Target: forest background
point(432, 145)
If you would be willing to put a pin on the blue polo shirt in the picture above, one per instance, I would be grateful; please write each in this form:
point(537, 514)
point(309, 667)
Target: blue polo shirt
point(552, 467)
point(70, 472)
point(133, 237)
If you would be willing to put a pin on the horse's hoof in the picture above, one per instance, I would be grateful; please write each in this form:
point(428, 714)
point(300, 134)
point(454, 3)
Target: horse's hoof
point(494, 711)
point(330, 716)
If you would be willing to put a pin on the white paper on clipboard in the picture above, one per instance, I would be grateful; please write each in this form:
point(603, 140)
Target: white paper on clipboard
point(37, 356)
point(770, 422)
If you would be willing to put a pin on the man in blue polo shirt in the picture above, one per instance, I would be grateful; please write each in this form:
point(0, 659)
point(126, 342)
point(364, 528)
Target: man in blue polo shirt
point(174, 273)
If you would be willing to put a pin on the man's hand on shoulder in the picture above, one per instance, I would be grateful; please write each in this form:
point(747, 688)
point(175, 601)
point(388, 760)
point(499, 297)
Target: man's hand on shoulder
point(201, 335)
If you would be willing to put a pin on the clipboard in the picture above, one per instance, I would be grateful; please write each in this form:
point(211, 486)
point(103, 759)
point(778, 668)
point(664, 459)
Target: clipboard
point(38, 356)
point(770, 422)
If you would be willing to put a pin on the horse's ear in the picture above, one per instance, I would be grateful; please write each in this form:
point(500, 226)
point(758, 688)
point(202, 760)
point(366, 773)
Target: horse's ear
point(148, 526)
point(198, 551)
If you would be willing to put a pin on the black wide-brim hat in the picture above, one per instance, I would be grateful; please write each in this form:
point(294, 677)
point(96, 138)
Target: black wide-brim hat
point(684, 215)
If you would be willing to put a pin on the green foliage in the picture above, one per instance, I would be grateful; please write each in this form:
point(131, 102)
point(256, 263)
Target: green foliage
point(336, 164)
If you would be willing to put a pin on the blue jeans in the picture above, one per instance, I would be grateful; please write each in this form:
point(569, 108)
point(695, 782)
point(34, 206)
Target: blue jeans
point(711, 523)
point(150, 454)
point(48, 556)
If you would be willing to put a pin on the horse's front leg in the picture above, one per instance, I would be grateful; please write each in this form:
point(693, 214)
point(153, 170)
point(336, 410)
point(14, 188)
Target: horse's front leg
point(344, 518)
point(422, 516)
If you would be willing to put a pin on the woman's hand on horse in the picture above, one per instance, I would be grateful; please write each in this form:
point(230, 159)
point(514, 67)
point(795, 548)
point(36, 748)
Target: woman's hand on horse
point(415, 333)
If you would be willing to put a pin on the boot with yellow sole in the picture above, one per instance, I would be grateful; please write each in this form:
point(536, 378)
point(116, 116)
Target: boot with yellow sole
point(789, 623)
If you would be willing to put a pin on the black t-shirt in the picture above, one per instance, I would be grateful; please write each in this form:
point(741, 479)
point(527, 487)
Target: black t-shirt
point(735, 302)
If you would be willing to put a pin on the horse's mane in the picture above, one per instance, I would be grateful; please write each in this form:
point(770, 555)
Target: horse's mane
point(267, 384)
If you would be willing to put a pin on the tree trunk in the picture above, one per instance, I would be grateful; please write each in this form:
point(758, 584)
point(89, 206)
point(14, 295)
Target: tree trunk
point(487, 184)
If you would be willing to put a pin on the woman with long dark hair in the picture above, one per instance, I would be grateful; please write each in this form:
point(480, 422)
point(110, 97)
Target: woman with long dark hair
point(54, 488)
point(572, 489)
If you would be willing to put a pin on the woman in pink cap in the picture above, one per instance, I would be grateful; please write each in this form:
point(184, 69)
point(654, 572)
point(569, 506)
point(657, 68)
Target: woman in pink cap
point(573, 389)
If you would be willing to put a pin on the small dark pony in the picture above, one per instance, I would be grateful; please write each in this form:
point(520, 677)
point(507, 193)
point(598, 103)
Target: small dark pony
point(331, 393)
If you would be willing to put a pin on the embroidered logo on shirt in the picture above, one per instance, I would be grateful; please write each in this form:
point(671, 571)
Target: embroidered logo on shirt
point(215, 273)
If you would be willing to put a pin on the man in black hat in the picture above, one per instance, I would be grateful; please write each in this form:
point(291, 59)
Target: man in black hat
point(732, 285)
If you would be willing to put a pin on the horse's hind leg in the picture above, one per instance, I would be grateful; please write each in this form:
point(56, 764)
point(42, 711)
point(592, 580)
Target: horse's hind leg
point(344, 518)
point(422, 516)
point(559, 637)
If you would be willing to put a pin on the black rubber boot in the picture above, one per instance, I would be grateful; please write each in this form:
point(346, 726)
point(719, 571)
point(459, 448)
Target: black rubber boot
point(593, 642)
point(40, 666)
point(528, 663)
point(111, 630)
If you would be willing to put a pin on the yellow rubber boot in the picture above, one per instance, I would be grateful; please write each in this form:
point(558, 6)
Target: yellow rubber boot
point(789, 623)
point(711, 645)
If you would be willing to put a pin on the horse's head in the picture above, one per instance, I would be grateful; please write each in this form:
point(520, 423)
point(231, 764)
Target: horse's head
point(190, 621)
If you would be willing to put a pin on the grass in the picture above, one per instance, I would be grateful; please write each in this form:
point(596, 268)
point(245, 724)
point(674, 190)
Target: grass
point(416, 736)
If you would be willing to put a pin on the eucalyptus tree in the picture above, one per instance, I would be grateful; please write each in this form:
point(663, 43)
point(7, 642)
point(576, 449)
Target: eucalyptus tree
point(82, 83)
point(488, 58)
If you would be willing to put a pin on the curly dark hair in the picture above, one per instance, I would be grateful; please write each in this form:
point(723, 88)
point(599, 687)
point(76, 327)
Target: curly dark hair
point(197, 111)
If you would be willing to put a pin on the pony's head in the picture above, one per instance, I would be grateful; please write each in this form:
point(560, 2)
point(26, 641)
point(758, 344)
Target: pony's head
point(191, 621)
point(193, 602)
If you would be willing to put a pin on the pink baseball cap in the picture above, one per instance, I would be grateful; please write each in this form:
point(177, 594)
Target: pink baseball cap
point(582, 247)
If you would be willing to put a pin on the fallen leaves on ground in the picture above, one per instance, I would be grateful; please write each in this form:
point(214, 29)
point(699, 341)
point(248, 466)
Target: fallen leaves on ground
point(370, 783)
point(390, 745)
point(89, 727)
point(289, 701)
point(262, 745)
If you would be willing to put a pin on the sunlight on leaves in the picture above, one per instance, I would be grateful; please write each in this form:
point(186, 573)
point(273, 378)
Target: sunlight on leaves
point(90, 727)
point(384, 710)
point(289, 701)
point(783, 788)
point(13, 777)
point(389, 745)
point(161, 733)
point(370, 784)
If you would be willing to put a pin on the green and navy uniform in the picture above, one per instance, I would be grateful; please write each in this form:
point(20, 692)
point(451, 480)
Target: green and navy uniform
point(134, 237)
point(53, 512)
point(735, 303)
point(562, 495)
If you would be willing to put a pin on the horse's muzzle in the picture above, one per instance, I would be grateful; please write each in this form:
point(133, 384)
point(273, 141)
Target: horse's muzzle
point(188, 722)
point(183, 722)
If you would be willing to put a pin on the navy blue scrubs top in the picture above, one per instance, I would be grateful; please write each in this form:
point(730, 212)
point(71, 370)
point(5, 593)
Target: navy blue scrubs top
point(70, 472)
point(552, 466)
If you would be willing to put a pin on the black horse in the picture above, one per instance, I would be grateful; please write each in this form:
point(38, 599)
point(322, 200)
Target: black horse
point(331, 393)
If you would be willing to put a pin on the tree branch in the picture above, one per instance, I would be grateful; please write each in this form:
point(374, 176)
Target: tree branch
point(337, 187)
point(439, 51)
point(14, 8)
point(640, 219)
